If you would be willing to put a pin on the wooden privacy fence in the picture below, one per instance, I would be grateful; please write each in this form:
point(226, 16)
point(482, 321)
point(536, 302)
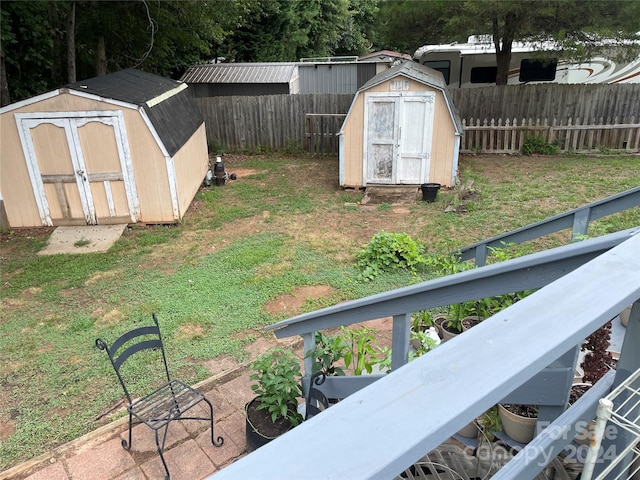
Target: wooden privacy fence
point(509, 136)
point(269, 121)
point(321, 132)
point(311, 121)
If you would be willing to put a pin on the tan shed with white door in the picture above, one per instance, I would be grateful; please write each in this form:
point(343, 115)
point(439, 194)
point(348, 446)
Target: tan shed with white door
point(121, 148)
point(401, 129)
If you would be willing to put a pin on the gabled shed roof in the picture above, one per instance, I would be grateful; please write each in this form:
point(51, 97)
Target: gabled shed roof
point(241, 73)
point(384, 56)
point(166, 102)
point(421, 74)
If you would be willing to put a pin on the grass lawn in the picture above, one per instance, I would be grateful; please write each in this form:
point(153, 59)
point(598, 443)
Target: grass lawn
point(283, 224)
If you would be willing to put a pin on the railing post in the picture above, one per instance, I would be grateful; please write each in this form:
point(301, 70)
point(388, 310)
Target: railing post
point(400, 340)
point(481, 255)
point(309, 343)
point(580, 224)
point(548, 413)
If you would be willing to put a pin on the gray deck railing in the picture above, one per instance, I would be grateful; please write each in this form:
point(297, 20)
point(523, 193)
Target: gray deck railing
point(523, 354)
point(577, 219)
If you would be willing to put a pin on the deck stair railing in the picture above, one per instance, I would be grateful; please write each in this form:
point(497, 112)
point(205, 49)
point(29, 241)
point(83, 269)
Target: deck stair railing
point(524, 354)
point(577, 219)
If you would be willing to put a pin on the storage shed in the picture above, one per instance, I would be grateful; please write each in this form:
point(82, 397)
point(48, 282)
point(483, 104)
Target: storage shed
point(120, 148)
point(401, 129)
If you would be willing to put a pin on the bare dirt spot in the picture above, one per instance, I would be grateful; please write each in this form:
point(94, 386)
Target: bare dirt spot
point(190, 332)
point(111, 318)
point(102, 275)
point(7, 428)
point(292, 303)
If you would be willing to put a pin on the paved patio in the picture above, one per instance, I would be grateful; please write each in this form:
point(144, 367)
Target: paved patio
point(189, 453)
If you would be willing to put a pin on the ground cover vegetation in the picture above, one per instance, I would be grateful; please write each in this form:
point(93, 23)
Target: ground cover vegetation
point(284, 225)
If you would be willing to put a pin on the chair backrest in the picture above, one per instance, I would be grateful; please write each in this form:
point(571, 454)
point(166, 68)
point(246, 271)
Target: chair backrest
point(130, 343)
point(316, 400)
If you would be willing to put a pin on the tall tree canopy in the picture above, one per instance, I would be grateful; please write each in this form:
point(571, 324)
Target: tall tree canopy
point(578, 26)
point(47, 43)
point(162, 37)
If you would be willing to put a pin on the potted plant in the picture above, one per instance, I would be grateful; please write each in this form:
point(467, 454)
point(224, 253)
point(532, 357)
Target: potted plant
point(277, 387)
point(328, 354)
point(519, 421)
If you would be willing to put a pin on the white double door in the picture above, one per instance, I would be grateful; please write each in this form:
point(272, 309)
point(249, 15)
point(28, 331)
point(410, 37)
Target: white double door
point(80, 168)
point(398, 137)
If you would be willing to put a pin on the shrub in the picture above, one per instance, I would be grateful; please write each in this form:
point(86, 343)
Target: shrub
point(535, 144)
point(387, 251)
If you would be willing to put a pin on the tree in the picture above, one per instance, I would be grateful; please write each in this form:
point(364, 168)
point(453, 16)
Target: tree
point(578, 26)
point(356, 32)
point(48, 43)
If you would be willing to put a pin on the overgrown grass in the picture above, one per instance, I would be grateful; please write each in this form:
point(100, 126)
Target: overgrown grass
point(209, 278)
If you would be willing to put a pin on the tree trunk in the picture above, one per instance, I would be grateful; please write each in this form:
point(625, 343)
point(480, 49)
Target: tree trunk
point(503, 59)
point(101, 57)
point(71, 43)
point(4, 87)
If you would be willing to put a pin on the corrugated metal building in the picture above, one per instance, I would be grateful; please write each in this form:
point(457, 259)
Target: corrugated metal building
point(120, 148)
point(310, 76)
point(225, 79)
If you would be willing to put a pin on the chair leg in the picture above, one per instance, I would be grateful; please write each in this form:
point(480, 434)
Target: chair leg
point(161, 449)
point(127, 445)
point(219, 441)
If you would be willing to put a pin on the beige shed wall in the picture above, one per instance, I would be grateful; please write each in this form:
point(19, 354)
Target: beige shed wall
point(191, 163)
point(148, 162)
point(443, 141)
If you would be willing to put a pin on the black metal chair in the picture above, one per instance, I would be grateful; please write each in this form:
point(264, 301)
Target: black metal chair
point(164, 404)
point(316, 401)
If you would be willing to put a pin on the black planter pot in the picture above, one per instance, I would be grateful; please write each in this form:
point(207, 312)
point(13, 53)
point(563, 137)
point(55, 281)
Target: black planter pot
point(430, 191)
point(254, 438)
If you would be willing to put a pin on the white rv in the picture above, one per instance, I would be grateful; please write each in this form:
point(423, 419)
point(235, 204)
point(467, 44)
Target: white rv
point(473, 64)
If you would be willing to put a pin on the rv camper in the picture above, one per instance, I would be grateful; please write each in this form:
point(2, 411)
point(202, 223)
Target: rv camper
point(473, 64)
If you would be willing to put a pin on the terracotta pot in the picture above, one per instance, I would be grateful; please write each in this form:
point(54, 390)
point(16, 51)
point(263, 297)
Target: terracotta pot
point(521, 429)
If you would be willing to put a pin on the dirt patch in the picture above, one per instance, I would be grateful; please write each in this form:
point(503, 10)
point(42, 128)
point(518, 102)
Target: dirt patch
point(7, 428)
point(190, 332)
point(292, 303)
point(111, 318)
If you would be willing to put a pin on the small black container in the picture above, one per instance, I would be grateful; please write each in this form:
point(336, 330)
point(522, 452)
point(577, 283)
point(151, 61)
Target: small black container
point(430, 191)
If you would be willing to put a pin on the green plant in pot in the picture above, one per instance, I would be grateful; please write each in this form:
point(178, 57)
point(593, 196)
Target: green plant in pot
point(328, 353)
point(276, 376)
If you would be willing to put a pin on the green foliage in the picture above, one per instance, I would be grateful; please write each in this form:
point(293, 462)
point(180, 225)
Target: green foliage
point(537, 145)
point(388, 251)
point(277, 376)
point(421, 320)
point(425, 344)
point(329, 351)
point(360, 352)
